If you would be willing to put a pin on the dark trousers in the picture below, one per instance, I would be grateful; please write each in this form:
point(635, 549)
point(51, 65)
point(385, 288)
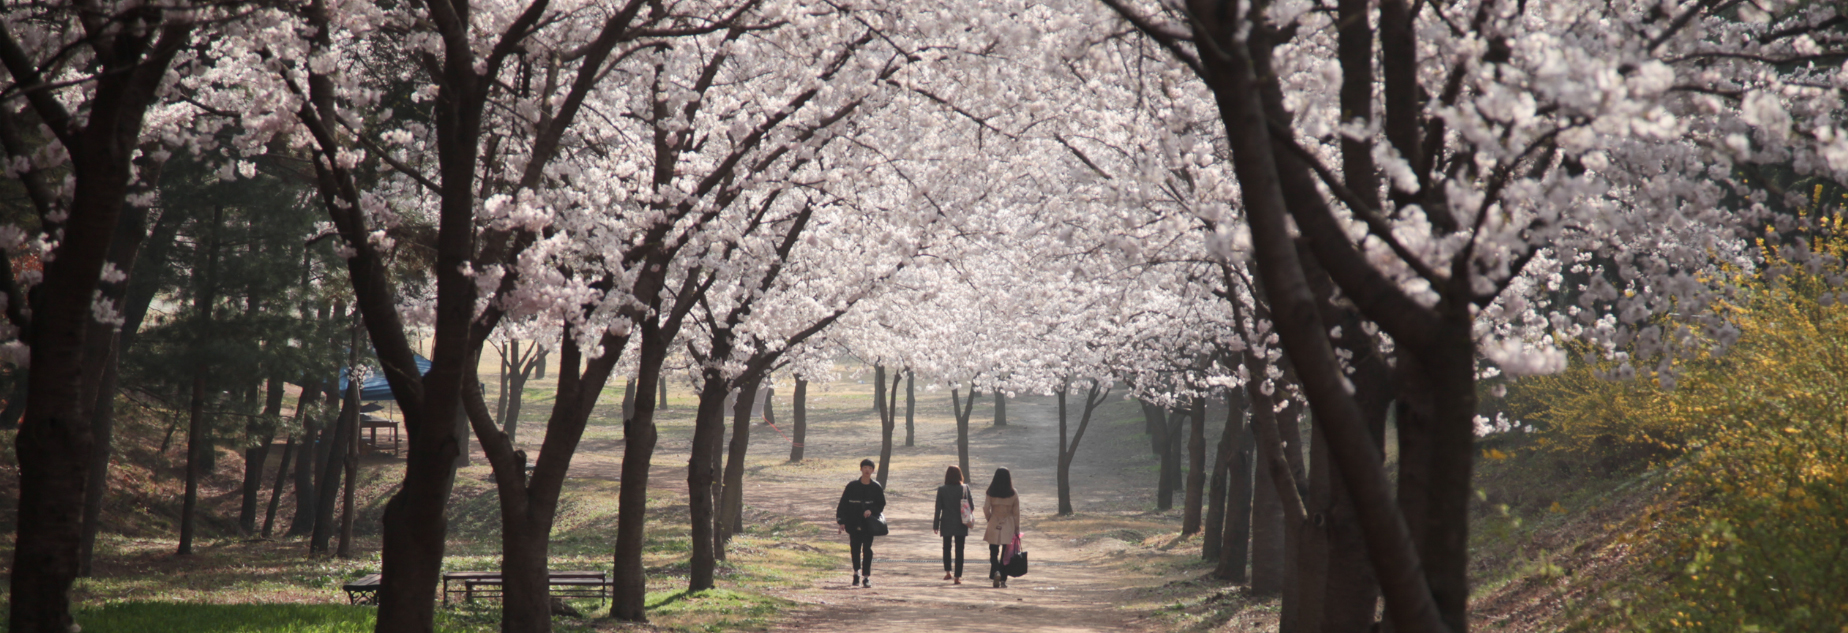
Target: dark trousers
point(959, 553)
point(862, 546)
point(994, 560)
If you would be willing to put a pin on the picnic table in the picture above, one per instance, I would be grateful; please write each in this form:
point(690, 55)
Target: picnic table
point(363, 591)
point(488, 584)
point(368, 422)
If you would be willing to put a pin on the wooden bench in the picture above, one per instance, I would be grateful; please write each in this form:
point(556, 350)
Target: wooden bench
point(488, 584)
point(363, 591)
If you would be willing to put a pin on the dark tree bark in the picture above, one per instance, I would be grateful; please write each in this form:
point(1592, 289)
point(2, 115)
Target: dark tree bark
point(879, 396)
point(628, 398)
point(1239, 58)
point(1000, 408)
point(529, 506)
point(195, 444)
point(516, 369)
point(911, 407)
point(663, 396)
point(302, 523)
point(1235, 552)
point(1170, 474)
point(55, 437)
point(1266, 535)
point(731, 501)
point(205, 289)
point(798, 416)
point(351, 478)
point(1216, 494)
point(1069, 450)
point(327, 485)
point(1154, 425)
point(135, 293)
point(257, 453)
point(1196, 468)
point(708, 432)
point(962, 411)
point(886, 423)
point(282, 474)
point(628, 596)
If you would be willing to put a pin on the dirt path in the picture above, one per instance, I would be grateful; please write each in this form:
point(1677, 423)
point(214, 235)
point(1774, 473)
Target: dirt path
point(1070, 588)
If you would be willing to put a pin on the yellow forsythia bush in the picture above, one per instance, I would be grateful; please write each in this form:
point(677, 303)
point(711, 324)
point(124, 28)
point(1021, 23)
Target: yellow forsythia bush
point(1755, 440)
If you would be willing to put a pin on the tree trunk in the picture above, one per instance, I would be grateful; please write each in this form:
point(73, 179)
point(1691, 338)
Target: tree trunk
point(708, 433)
point(1170, 474)
point(879, 396)
point(529, 505)
point(1266, 535)
point(1196, 468)
point(195, 443)
point(798, 420)
point(1234, 554)
point(302, 443)
point(55, 437)
point(662, 400)
point(135, 293)
point(911, 407)
point(198, 444)
point(1064, 483)
point(516, 385)
point(282, 473)
point(1154, 425)
point(628, 398)
point(1216, 496)
point(962, 411)
point(351, 463)
point(260, 432)
point(887, 425)
point(731, 503)
point(628, 596)
point(102, 427)
point(302, 524)
point(1069, 453)
point(327, 486)
point(1000, 408)
point(509, 356)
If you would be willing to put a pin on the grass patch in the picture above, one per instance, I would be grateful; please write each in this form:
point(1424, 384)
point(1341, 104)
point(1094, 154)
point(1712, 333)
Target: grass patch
point(713, 610)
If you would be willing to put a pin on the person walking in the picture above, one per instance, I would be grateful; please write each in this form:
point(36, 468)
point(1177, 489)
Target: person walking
point(1001, 509)
point(862, 501)
point(954, 516)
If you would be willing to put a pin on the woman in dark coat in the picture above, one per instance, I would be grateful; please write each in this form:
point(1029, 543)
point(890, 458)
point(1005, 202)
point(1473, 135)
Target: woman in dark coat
point(951, 522)
point(860, 502)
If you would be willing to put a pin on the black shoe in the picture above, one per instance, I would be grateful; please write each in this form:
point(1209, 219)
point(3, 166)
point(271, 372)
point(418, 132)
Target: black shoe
point(856, 580)
point(868, 583)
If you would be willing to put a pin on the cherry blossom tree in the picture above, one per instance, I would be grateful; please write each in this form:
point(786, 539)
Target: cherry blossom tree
point(1511, 137)
point(87, 76)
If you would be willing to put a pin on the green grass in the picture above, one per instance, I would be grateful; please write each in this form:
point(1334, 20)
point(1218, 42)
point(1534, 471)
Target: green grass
point(713, 610)
point(162, 617)
point(165, 617)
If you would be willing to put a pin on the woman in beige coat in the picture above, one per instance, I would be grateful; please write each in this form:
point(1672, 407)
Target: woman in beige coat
point(1002, 511)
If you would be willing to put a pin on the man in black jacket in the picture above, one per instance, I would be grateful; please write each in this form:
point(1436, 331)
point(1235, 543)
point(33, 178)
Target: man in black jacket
point(862, 503)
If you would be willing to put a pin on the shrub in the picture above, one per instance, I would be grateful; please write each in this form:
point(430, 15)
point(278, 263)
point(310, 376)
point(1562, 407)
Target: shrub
point(1755, 439)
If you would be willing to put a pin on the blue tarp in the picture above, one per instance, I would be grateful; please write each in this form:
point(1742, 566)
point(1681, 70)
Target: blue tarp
point(375, 387)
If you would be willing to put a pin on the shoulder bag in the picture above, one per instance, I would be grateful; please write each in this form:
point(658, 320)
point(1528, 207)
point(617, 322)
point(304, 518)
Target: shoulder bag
point(876, 524)
point(968, 507)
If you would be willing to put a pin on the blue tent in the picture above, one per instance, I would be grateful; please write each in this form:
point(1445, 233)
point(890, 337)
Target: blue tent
point(375, 387)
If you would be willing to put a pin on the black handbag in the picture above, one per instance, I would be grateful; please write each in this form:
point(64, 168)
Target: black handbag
point(876, 525)
point(1017, 566)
